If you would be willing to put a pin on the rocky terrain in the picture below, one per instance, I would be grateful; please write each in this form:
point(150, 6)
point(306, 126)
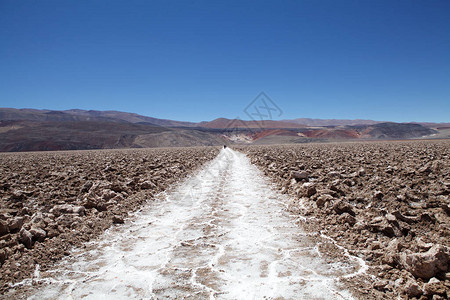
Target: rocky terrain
point(388, 203)
point(53, 201)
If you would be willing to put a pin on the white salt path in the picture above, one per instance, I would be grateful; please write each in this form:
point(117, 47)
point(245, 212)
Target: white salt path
point(222, 234)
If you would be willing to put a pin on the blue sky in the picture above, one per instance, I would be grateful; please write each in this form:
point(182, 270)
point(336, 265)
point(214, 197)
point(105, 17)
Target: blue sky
point(199, 60)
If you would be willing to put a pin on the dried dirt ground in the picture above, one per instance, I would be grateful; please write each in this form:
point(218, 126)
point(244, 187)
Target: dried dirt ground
point(51, 202)
point(223, 233)
point(387, 202)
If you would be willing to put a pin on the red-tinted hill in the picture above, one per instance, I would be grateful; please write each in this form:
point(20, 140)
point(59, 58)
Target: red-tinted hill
point(282, 132)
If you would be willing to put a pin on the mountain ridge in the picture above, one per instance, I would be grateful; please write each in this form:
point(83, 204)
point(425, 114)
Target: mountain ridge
point(75, 129)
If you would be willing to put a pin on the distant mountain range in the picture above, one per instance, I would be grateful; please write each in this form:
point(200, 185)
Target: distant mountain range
point(36, 130)
point(84, 115)
point(9, 114)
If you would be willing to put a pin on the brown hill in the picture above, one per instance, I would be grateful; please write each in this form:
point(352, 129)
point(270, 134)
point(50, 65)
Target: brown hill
point(81, 135)
point(223, 123)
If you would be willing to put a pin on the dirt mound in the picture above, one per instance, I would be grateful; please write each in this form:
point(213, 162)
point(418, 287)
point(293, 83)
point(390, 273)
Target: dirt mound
point(388, 203)
point(52, 201)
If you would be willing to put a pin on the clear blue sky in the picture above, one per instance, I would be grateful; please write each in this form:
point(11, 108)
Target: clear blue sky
point(199, 60)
